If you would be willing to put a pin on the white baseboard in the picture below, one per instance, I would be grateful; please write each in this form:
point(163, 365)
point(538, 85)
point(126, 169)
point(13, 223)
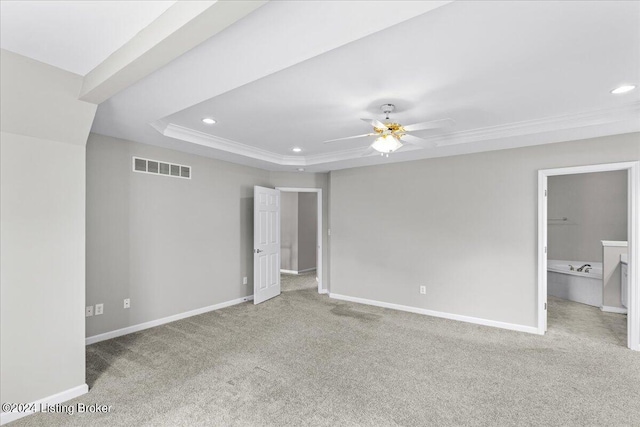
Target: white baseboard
point(146, 325)
point(63, 396)
point(323, 291)
point(609, 309)
point(297, 271)
point(450, 316)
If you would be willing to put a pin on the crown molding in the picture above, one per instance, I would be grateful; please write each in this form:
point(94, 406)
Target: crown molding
point(622, 115)
point(201, 138)
point(585, 119)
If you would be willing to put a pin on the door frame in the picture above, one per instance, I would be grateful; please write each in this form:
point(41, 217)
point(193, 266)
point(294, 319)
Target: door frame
point(319, 269)
point(633, 238)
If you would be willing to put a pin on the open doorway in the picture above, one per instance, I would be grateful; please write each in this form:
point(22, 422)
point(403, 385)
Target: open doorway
point(301, 238)
point(588, 254)
point(586, 250)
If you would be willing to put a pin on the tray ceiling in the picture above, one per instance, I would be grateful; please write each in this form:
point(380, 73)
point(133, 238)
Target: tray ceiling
point(509, 73)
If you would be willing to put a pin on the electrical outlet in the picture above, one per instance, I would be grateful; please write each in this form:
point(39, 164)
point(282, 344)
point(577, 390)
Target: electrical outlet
point(127, 303)
point(88, 312)
point(99, 309)
point(423, 290)
point(244, 281)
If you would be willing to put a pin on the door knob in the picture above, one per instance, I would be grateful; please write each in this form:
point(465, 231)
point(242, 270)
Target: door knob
point(258, 251)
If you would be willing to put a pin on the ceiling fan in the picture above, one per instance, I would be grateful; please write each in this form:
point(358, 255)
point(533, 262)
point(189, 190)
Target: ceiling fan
point(391, 136)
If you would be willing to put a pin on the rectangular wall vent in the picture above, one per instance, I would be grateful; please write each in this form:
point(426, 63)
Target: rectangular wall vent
point(157, 167)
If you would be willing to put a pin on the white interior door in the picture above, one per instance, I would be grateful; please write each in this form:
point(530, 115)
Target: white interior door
point(266, 244)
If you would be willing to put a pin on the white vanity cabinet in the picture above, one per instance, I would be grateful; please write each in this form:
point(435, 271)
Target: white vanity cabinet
point(624, 283)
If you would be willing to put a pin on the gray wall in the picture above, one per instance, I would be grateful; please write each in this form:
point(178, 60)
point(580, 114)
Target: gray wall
point(307, 230)
point(595, 205)
point(464, 227)
point(168, 244)
point(289, 231)
point(44, 129)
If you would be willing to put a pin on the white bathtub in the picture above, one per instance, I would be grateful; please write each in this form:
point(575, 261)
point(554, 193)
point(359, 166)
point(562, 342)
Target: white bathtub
point(585, 288)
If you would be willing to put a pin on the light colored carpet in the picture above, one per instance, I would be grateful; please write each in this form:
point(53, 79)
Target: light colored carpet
point(568, 318)
point(304, 359)
point(292, 282)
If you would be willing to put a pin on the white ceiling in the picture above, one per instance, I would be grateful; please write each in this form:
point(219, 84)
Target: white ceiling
point(73, 35)
point(296, 73)
point(483, 64)
point(509, 73)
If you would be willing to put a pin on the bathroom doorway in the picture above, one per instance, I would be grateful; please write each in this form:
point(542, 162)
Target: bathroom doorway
point(587, 217)
point(586, 245)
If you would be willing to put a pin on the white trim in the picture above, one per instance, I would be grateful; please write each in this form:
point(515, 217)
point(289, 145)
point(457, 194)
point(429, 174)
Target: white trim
point(201, 138)
point(633, 309)
point(609, 309)
point(577, 170)
point(443, 315)
point(614, 244)
point(633, 239)
point(618, 114)
point(298, 271)
point(322, 289)
point(611, 121)
point(61, 397)
point(542, 253)
point(146, 325)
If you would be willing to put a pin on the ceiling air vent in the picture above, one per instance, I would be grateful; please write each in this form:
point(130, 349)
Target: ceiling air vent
point(157, 167)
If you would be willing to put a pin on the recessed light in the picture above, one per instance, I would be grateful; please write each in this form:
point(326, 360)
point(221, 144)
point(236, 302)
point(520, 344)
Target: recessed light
point(208, 121)
point(296, 149)
point(300, 169)
point(623, 89)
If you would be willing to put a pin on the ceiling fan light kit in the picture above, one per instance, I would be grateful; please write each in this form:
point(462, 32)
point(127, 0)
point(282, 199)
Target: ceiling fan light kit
point(391, 136)
point(386, 144)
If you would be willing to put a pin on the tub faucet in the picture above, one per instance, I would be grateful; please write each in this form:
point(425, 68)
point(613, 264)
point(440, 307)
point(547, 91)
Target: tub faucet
point(582, 268)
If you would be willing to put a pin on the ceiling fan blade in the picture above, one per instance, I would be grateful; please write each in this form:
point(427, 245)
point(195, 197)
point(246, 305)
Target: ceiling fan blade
point(349, 137)
point(369, 151)
point(434, 124)
point(410, 139)
point(375, 123)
